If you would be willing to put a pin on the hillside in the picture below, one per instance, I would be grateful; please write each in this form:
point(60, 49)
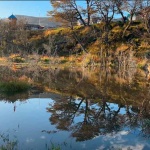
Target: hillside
point(43, 21)
point(84, 45)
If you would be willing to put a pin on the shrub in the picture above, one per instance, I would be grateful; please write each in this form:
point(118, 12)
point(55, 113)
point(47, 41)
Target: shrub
point(117, 29)
point(17, 59)
point(45, 59)
point(14, 86)
point(63, 61)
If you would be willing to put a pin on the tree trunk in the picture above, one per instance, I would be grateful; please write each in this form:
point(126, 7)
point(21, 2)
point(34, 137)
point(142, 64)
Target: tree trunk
point(147, 25)
point(88, 13)
point(126, 28)
point(76, 38)
point(123, 17)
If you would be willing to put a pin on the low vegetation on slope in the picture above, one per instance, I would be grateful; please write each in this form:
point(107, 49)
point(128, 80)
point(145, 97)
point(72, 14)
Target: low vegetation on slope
point(86, 45)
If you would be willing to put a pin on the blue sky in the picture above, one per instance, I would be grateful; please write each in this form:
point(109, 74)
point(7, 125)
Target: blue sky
point(26, 7)
point(37, 8)
point(30, 8)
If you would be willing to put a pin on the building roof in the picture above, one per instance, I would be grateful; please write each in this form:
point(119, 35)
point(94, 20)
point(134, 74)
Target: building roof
point(12, 17)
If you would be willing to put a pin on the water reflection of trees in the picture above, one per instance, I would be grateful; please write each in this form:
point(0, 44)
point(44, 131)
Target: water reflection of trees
point(93, 83)
point(86, 120)
point(97, 87)
point(92, 121)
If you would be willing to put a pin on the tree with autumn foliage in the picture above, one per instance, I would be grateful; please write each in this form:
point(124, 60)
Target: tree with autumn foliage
point(69, 12)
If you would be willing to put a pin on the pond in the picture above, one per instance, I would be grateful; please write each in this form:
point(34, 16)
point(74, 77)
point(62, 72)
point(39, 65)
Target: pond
point(84, 108)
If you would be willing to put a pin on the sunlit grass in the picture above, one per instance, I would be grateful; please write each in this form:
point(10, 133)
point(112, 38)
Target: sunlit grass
point(70, 53)
point(16, 58)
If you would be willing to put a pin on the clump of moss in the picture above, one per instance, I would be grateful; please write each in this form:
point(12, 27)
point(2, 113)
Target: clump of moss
point(14, 87)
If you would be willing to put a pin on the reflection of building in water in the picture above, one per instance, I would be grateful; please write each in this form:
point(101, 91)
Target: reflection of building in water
point(14, 106)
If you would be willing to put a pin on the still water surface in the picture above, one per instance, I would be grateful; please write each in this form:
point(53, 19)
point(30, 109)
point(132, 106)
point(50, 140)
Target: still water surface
point(33, 127)
point(93, 111)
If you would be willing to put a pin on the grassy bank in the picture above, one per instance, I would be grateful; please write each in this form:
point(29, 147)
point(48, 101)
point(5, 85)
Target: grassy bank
point(13, 87)
point(85, 46)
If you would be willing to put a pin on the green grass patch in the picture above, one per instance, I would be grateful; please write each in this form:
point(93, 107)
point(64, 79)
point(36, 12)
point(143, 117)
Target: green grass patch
point(14, 87)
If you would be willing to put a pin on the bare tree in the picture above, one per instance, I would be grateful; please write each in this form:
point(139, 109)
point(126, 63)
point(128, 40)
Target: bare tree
point(132, 7)
point(14, 39)
point(120, 5)
point(89, 10)
point(107, 10)
point(145, 13)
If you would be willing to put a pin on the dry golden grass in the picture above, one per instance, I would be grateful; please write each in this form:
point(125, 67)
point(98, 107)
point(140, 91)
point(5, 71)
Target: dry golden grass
point(116, 29)
point(122, 48)
point(95, 47)
point(23, 78)
point(144, 45)
point(34, 38)
point(56, 31)
point(3, 59)
point(141, 63)
point(50, 32)
point(86, 30)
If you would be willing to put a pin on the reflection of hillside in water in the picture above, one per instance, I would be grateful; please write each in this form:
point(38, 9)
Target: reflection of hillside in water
point(100, 101)
point(93, 83)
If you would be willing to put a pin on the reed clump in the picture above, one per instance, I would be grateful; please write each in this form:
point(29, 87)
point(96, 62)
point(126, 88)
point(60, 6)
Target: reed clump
point(14, 86)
